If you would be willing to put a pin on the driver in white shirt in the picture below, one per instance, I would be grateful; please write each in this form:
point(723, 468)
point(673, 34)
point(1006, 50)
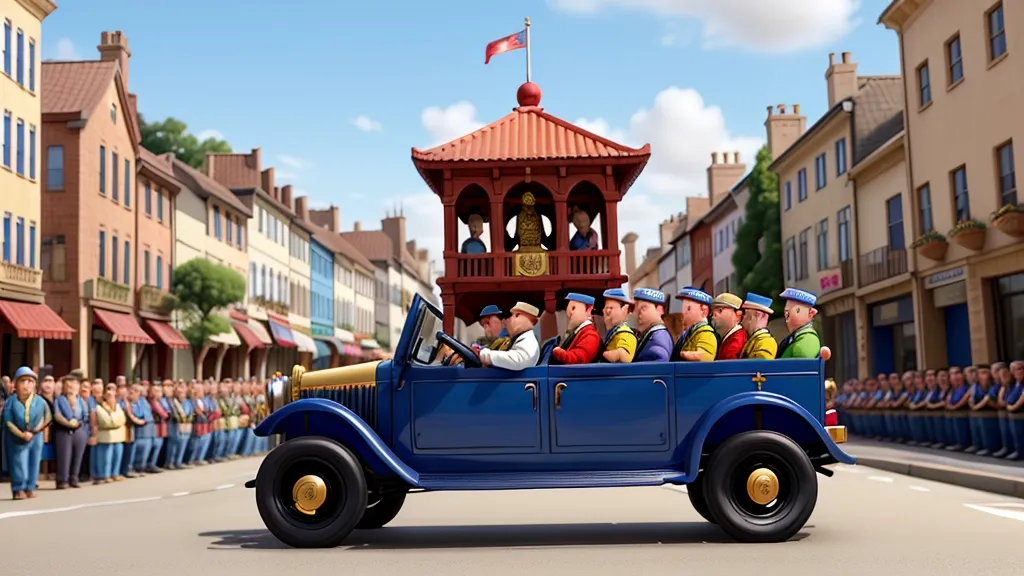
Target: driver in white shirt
point(525, 350)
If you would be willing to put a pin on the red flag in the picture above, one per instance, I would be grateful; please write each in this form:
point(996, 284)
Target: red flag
point(506, 44)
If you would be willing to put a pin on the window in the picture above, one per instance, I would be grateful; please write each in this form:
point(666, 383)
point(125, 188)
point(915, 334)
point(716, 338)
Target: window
point(7, 139)
point(790, 260)
point(31, 65)
point(216, 222)
point(954, 61)
point(32, 245)
point(788, 199)
point(32, 152)
point(252, 279)
point(238, 235)
point(53, 258)
point(924, 85)
point(7, 237)
point(159, 206)
point(19, 248)
point(924, 201)
point(961, 199)
point(263, 281)
point(7, 47)
point(1007, 175)
point(805, 237)
point(20, 71)
point(127, 261)
point(996, 32)
point(113, 113)
point(19, 165)
point(840, 157)
point(103, 254)
point(894, 222)
point(103, 169)
point(819, 171)
point(159, 271)
point(801, 185)
point(229, 235)
point(822, 238)
point(113, 258)
point(127, 182)
point(148, 199)
point(145, 268)
point(843, 219)
point(113, 171)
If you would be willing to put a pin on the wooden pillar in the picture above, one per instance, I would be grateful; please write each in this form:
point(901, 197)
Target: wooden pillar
point(497, 229)
point(218, 366)
point(548, 320)
point(610, 225)
point(116, 359)
point(561, 225)
point(448, 302)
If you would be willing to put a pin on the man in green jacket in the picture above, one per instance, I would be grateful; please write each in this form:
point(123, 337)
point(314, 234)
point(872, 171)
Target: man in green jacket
point(803, 341)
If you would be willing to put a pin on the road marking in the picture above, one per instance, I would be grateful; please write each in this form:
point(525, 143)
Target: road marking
point(224, 486)
point(20, 513)
point(1017, 515)
point(885, 479)
point(676, 488)
point(920, 489)
point(177, 494)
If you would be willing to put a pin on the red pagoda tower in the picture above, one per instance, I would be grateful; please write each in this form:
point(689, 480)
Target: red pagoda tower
point(528, 175)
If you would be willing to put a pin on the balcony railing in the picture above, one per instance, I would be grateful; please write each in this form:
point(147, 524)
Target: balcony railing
point(108, 291)
point(846, 273)
point(20, 275)
point(153, 299)
point(881, 264)
point(593, 263)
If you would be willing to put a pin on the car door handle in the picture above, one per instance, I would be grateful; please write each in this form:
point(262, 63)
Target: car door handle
point(558, 394)
point(531, 387)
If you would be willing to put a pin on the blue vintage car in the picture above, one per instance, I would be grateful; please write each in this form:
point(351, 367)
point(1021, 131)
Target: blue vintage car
point(745, 436)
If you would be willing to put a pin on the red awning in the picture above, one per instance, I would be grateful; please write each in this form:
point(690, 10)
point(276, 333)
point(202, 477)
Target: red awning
point(239, 316)
point(35, 321)
point(122, 326)
point(167, 334)
point(252, 341)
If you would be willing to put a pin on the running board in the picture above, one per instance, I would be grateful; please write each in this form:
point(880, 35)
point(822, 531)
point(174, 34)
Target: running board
point(548, 480)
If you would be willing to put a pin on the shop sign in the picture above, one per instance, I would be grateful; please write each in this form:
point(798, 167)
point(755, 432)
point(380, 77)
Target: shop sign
point(830, 280)
point(945, 277)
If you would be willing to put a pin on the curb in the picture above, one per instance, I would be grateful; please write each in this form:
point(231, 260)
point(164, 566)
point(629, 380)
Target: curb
point(983, 481)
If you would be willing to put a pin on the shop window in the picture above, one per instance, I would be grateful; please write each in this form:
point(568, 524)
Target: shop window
point(1009, 296)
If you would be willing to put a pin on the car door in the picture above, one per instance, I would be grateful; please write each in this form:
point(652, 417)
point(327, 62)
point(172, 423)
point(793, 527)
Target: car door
point(476, 410)
point(611, 407)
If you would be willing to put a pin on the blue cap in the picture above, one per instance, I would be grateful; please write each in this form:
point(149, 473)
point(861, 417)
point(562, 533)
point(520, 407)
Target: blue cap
point(698, 296)
point(581, 298)
point(797, 295)
point(490, 310)
point(758, 302)
point(24, 372)
point(649, 295)
point(617, 294)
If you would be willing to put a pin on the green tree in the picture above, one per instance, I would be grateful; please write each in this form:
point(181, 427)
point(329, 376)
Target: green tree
point(758, 255)
point(200, 287)
point(172, 135)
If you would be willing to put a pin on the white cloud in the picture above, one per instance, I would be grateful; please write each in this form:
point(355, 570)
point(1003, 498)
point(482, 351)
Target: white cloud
point(366, 124)
point(775, 26)
point(293, 162)
point(66, 50)
point(446, 124)
point(202, 136)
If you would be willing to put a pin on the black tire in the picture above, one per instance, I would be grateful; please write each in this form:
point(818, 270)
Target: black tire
point(726, 478)
point(378, 515)
point(695, 490)
point(343, 475)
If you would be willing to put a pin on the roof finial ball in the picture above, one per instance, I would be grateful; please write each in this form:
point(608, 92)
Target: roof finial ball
point(528, 94)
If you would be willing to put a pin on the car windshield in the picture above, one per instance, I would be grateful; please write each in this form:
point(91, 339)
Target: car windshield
point(426, 337)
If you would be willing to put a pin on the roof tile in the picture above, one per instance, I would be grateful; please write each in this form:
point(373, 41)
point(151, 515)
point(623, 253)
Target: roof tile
point(205, 186)
point(878, 113)
point(75, 87)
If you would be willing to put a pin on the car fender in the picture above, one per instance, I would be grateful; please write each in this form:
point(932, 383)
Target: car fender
point(323, 417)
point(694, 443)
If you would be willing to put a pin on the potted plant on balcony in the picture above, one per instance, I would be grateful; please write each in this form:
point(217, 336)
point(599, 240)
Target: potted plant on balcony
point(1010, 220)
point(931, 245)
point(970, 234)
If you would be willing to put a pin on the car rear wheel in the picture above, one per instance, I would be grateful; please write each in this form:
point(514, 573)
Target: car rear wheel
point(311, 492)
point(761, 487)
point(383, 511)
point(695, 490)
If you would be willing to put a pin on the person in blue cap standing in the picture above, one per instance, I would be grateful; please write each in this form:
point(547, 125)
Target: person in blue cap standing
point(619, 343)
point(655, 342)
point(803, 340)
point(25, 416)
point(698, 342)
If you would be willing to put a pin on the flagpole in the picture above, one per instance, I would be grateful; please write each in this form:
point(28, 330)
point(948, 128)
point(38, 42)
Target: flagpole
point(527, 48)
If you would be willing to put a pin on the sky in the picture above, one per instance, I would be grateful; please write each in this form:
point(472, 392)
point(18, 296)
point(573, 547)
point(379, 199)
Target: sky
point(337, 93)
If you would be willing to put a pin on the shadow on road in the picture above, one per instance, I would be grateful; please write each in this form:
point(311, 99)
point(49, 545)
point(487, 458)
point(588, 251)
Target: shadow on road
point(530, 535)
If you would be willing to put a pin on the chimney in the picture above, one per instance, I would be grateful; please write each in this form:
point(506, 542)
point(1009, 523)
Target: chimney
point(302, 208)
point(784, 128)
point(133, 103)
point(286, 197)
point(841, 79)
point(422, 255)
point(696, 207)
point(114, 48)
point(394, 227)
point(267, 180)
point(325, 218)
point(722, 176)
point(411, 247)
point(254, 159)
point(667, 229)
point(209, 163)
point(357, 227)
point(629, 248)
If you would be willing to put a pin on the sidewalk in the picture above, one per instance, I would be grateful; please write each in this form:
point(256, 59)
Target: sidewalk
point(966, 470)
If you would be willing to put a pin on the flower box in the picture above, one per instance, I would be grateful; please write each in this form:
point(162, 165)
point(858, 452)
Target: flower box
point(970, 234)
point(1010, 222)
point(933, 250)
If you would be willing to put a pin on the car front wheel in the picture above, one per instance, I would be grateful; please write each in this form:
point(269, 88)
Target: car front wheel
point(760, 487)
point(383, 511)
point(695, 490)
point(311, 492)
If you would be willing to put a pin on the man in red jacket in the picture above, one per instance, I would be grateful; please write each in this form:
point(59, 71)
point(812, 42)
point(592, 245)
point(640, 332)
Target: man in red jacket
point(581, 341)
point(725, 315)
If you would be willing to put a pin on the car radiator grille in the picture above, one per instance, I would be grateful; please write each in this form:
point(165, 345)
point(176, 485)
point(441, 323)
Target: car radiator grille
point(359, 398)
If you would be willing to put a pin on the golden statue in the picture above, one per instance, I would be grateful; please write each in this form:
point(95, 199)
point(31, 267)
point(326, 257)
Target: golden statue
point(529, 227)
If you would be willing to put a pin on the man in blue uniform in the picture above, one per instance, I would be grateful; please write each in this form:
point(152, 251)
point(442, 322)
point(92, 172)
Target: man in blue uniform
point(655, 342)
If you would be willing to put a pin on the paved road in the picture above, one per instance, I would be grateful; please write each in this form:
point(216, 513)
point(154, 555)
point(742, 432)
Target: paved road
point(205, 521)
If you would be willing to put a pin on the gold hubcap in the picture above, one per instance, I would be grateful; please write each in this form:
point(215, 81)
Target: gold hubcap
point(763, 486)
point(309, 493)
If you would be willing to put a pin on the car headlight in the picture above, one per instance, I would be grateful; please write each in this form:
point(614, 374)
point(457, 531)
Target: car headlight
point(279, 394)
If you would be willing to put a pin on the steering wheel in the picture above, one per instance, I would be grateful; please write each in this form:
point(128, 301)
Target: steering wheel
point(469, 357)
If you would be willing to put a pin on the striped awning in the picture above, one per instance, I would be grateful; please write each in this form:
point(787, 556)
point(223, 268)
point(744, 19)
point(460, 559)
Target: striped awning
point(304, 343)
point(35, 321)
point(167, 334)
point(122, 327)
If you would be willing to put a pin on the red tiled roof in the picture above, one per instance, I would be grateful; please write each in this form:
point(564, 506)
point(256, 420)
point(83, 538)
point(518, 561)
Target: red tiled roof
point(167, 334)
point(339, 245)
point(374, 244)
point(205, 186)
point(529, 133)
point(73, 87)
point(35, 321)
point(122, 326)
